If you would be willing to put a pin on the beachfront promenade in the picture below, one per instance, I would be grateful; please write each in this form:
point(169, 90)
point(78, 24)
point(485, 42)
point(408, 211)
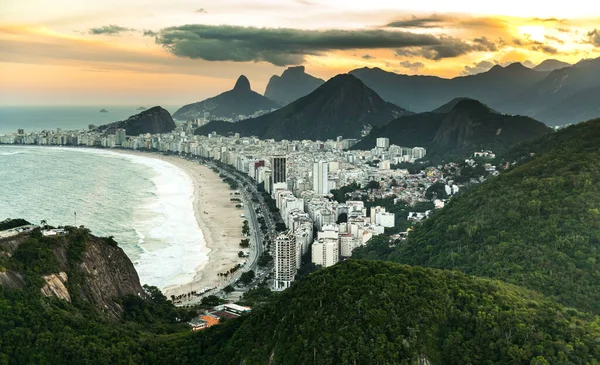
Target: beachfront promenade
point(256, 248)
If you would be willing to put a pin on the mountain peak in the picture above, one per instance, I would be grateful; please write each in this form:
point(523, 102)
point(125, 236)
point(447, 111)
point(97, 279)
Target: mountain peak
point(242, 83)
point(551, 65)
point(472, 106)
point(293, 84)
point(294, 70)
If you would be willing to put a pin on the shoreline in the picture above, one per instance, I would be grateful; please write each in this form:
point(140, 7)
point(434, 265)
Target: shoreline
point(216, 216)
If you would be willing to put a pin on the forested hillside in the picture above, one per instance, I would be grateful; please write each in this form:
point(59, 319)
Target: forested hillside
point(537, 225)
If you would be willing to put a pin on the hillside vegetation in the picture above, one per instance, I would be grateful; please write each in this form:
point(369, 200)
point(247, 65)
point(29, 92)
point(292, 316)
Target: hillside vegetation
point(537, 225)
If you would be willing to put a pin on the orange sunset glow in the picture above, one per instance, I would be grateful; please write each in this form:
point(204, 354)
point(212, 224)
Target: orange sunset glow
point(134, 52)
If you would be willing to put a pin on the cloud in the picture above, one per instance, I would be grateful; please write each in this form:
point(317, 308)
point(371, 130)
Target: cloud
point(413, 66)
point(478, 67)
point(594, 37)
point(149, 33)
point(109, 30)
point(484, 44)
point(415, 22)
point(368, 57)
point(449, 47)
point(279, 46)
point(201, 11)
point(545, 49)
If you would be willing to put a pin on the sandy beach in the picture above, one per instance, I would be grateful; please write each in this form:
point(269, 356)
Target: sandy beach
point(217, 217)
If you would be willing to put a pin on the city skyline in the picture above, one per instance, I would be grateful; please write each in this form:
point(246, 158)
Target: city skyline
point(162, 53)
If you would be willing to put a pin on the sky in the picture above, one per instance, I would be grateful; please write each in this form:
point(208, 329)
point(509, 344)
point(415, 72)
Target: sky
point(161, 52)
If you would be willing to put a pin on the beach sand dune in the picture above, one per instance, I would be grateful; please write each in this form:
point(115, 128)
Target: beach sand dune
point(217, 217)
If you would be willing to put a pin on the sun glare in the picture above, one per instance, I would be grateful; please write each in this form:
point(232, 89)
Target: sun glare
point(534, 32)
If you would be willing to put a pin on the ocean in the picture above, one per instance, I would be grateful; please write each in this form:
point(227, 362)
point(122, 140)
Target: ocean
point(38, 118)
point(145, 203)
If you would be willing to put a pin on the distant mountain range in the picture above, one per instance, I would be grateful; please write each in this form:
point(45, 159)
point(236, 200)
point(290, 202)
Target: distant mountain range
point(240, 101)
point(342, 106)
point(553, 92)
point(293, 84)
point(551, 65)
point(154, 120)
point(461, 126)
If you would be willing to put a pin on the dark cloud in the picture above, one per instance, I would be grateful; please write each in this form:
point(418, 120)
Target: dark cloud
point(550, 20)
point(594, 37)
point(545, 49)
point(450, 47)
point(201, 11)
point(280, 46)
point(413, 66)
point(555, 39)
point(478, 67)
point(414, 22)
point(109, 29)
point(485, 44)
point(149, 33)
point(368, 57)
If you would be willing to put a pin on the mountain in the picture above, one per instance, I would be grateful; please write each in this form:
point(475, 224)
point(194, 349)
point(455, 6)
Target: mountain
point(582, 105)
point(560, 85)
point(239, 101)
point(293, 84)
point(536, 225)
point(78, 268)
point(361, 312)
point(456, 129)
point(340, 107)
point(424, 93)
point(154, 120)
point(551, 65)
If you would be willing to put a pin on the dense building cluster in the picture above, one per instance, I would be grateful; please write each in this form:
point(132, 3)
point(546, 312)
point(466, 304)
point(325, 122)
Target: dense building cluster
point(299, 175)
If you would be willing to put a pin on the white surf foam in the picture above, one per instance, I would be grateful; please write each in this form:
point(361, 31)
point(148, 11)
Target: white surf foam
point(173, 245)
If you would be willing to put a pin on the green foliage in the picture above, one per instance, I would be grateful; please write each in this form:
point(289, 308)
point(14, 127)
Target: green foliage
point(211, 301)
point(228, 289)
point(339, 195)
point(367, 312)
point(12, 223)
point(35, 257)
point(536, 225)
point(245, 243)
point(436, 191)
point(247, 277)
point(265, 259)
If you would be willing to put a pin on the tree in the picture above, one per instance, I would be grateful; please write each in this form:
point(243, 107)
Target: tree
point(241, 254)
point(373, 184)
point(228, 289)
point(245, 243)
point(247, 277)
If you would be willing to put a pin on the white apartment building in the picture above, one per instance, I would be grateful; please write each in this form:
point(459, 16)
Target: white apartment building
point(325, 252)
point(321, 177)
point(286, 260)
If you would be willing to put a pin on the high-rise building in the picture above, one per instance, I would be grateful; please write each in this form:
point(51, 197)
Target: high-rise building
point(418, 152)
point(383, 142)
point(279, 171)
point(325, 252)
point(321, 177)
point(285, 260)
point(120, 136)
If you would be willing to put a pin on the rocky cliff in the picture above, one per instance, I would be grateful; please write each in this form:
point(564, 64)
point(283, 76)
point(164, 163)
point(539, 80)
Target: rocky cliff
point(154, 120)
point(78, 267)
point(293, 84)
point(238, 102)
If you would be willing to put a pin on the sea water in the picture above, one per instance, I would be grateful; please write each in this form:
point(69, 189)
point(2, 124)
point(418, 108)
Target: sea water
point(145, 203)
point(38, 118)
